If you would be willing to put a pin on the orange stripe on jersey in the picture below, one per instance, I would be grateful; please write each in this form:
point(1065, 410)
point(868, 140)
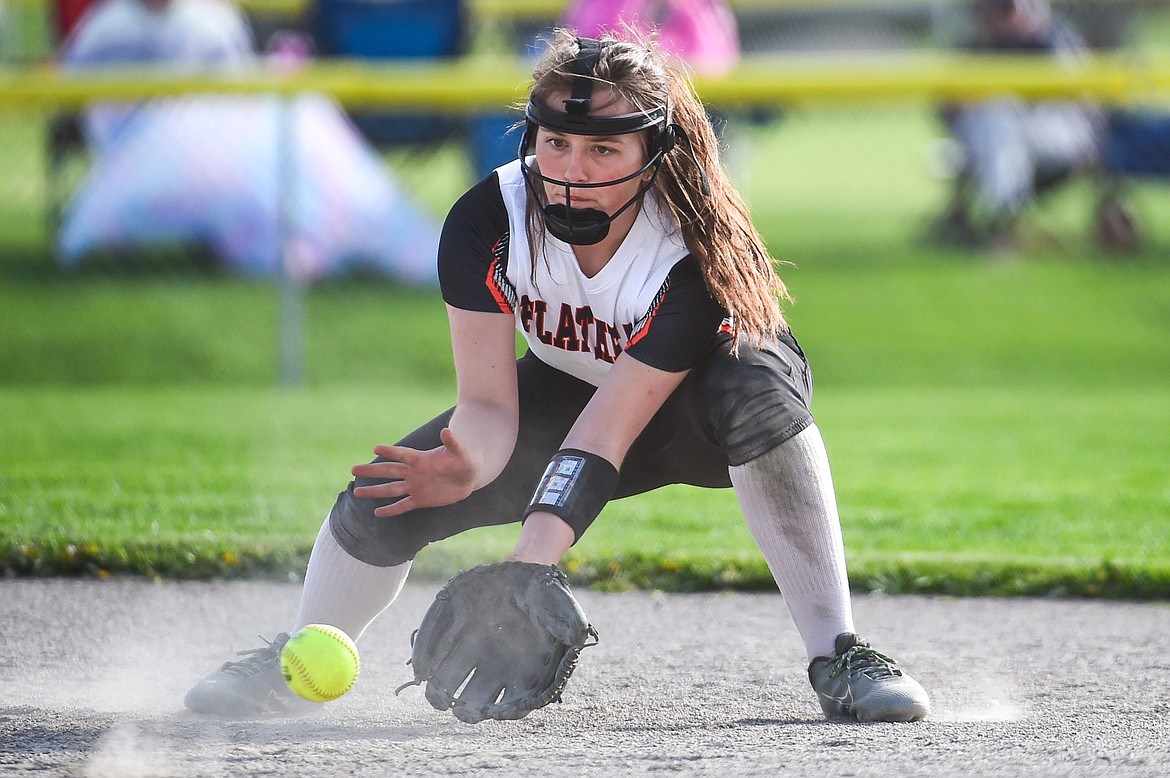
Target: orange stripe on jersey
point(493, 281)
point(648, 319)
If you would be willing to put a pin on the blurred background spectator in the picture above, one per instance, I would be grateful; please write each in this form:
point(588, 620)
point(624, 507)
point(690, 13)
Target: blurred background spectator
point(266, 185)
point(1010, 149)
point(439, 30)
point(1137, 147)
point(183, 34)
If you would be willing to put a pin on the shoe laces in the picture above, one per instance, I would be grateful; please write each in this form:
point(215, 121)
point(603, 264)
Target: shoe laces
point(861, 660)
point(258, 659)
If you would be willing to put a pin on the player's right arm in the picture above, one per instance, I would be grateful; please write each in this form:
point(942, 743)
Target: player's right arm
point(479, 439)
point(487, 412)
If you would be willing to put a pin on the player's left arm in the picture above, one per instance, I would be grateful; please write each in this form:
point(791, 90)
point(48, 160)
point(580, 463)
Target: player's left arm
point(676, 332)
point(629, 396)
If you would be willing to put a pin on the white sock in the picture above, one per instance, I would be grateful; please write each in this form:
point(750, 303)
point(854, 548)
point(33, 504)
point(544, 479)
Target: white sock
point(345, 592)
point(788, 503)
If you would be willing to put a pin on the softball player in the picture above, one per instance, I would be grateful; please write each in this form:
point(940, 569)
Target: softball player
point(657, 354)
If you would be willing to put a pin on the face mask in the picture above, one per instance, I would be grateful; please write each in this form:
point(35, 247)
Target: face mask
point(588, 226)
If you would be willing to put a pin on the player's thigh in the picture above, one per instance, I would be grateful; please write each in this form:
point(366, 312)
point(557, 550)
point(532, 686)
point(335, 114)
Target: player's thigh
point(729, 410)
point(756, 400)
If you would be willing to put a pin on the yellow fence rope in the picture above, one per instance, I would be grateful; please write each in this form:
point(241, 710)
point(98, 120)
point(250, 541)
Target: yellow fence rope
point(480, 82)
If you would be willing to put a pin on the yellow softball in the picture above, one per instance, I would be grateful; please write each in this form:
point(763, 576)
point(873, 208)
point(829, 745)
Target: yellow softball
point(320, 662)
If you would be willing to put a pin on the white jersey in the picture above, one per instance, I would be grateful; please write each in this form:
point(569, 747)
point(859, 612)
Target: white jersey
point(649, 299)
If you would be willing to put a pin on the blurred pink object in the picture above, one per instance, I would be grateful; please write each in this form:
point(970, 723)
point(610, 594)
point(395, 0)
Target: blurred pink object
point(702, 33)
point(288, 51)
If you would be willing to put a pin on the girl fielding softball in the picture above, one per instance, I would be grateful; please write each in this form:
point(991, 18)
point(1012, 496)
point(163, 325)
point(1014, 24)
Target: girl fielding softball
point(657, 354)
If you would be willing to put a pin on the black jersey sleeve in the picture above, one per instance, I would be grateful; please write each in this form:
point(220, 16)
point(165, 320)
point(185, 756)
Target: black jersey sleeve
point(473, 251)
point(681, 323)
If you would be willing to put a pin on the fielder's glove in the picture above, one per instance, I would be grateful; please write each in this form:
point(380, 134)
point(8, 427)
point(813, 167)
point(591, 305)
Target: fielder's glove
point(514, 627)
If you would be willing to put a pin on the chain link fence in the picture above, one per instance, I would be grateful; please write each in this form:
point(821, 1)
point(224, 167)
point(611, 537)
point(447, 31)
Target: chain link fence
point(261, 184)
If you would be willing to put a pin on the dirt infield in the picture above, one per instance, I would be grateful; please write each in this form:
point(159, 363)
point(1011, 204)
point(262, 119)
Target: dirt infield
point(92, 676)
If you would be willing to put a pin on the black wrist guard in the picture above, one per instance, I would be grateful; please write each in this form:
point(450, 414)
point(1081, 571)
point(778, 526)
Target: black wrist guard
point(576, 485)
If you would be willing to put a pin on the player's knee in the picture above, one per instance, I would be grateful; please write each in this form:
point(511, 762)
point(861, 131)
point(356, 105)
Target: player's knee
point(369, 538)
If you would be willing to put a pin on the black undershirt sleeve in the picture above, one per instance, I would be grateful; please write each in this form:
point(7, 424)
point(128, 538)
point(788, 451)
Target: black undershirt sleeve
point(473, 251)
point(680, 326)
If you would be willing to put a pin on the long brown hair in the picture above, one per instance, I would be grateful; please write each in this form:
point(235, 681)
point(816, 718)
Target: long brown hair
point(717, 228)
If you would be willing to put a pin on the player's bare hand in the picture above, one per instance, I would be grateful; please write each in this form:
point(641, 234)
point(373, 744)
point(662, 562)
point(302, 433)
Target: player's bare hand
point(422, 479)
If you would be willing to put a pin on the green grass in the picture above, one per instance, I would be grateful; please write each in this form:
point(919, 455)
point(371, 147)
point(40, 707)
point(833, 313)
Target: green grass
point(960, 479)
point(995, 426)
point(158, 330)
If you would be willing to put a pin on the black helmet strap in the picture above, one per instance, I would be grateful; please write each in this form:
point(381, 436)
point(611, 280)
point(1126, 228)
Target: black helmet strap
point(585, 67)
